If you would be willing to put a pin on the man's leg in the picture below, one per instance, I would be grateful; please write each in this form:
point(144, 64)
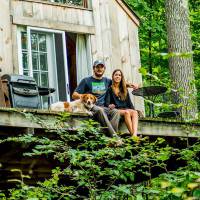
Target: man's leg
point(101, 114)
point(114, 117)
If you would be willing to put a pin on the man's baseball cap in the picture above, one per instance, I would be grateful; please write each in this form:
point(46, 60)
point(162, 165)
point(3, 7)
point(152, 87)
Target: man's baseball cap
point(98, 62)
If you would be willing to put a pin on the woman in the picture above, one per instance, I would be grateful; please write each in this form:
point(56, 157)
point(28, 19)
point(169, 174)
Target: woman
point(117, 96)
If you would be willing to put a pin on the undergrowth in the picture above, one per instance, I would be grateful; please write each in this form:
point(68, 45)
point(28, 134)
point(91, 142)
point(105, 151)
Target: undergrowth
point(93, 167)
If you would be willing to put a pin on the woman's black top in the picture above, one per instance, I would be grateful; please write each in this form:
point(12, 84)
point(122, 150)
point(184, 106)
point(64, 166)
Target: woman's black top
point(112, 98)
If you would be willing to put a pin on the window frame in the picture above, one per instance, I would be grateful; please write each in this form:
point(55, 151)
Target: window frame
point(28, 29)
point(88, 3)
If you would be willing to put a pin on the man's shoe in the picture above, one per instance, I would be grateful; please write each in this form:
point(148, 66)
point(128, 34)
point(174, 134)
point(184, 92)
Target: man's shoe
point(119, 142)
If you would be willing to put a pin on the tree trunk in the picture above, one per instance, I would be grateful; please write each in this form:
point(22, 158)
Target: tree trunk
point(180, 56)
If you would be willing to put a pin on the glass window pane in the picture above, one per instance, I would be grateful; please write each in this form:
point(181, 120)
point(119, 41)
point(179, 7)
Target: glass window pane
point(24, 60)
point(42, 42)
point(43, 62)
point(44, 79)
point(35, 61)
point(73, 2)
point(36, 77)
point(26, 72)
point(24, 40)
point(34, 41)
point(44, 102)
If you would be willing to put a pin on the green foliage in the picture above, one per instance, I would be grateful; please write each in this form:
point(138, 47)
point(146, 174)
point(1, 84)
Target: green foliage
point(153, 43)
point(94, 168)
point(153, 38)
point(172, 186)
point(195, 30)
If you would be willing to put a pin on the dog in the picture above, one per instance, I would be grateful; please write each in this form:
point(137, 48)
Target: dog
point(82, 105)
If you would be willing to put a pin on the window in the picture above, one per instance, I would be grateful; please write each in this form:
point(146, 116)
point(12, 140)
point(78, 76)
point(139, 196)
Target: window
point(82, 3)
point(43, 56)
point(39, 57)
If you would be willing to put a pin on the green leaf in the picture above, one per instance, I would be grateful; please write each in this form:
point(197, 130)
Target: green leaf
point(139, 197)
point(196, 193)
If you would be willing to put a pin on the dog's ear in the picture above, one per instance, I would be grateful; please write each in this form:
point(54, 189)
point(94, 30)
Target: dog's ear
point(83, 96)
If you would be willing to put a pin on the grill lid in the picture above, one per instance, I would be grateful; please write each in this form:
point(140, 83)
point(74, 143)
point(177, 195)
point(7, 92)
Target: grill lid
point(25, 91)
point(15, 78)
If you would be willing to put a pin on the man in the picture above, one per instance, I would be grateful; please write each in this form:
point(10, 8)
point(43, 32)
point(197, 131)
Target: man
point(98, 85)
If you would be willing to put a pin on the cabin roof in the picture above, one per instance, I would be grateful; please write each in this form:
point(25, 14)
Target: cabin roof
point(129, 11)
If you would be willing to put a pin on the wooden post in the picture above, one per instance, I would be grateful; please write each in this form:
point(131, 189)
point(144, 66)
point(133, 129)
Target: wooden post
point(85, 3)
point(2, 98)
point(4, 94)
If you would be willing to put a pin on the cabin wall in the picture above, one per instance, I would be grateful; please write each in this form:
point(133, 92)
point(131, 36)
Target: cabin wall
point(38, 14)
point(48, 15)
point(5, 38)
point(116, 42)
point(52, 15)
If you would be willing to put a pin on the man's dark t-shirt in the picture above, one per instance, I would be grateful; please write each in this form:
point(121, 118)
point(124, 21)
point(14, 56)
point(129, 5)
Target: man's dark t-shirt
point(96, 87)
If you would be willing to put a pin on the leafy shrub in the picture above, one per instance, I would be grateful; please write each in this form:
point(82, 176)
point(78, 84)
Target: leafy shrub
point(95, 168)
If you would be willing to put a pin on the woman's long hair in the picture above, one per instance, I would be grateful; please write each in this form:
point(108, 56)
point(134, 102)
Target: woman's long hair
point(122, 86)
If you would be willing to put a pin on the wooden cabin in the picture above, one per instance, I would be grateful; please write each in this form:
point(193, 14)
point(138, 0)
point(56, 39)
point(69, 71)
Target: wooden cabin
point(56, 41)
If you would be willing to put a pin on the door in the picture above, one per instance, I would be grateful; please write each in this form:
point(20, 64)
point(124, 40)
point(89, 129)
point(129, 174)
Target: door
point(44, 57)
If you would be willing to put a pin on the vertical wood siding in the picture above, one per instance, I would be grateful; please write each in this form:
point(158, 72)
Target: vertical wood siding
point(96, 40)
point(52, 14)
point(106, 34)
point(5, 38)
point(115, 39)
point(116, 42)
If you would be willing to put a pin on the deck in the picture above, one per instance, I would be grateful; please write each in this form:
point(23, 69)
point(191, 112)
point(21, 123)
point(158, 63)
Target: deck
point(23, 119)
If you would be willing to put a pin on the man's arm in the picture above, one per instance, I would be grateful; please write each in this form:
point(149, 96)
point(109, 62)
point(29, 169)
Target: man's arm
point(131, 85)
point(76, 95)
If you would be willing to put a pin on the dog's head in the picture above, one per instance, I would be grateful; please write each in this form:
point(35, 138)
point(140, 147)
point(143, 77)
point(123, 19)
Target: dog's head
point(89, 100)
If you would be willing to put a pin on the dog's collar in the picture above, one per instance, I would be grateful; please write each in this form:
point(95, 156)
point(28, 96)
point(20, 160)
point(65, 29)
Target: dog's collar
point(88, 107)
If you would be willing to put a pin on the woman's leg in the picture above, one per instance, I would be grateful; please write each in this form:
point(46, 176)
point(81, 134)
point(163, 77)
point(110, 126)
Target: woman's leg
point(134, 120)
point(127, 119)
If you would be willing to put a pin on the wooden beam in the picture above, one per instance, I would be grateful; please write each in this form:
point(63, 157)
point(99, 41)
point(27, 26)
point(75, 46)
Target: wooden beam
point(85, 3)
point(129, 12)
point(2, 98)
point(76, 28)
point(24, 118)
point(165, 129)
point(152, 127)
point(84, 7)
point(4, 94)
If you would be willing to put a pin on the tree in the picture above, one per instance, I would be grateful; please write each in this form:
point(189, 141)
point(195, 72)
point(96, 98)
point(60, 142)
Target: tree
point(180, 59)
point(194, 6)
